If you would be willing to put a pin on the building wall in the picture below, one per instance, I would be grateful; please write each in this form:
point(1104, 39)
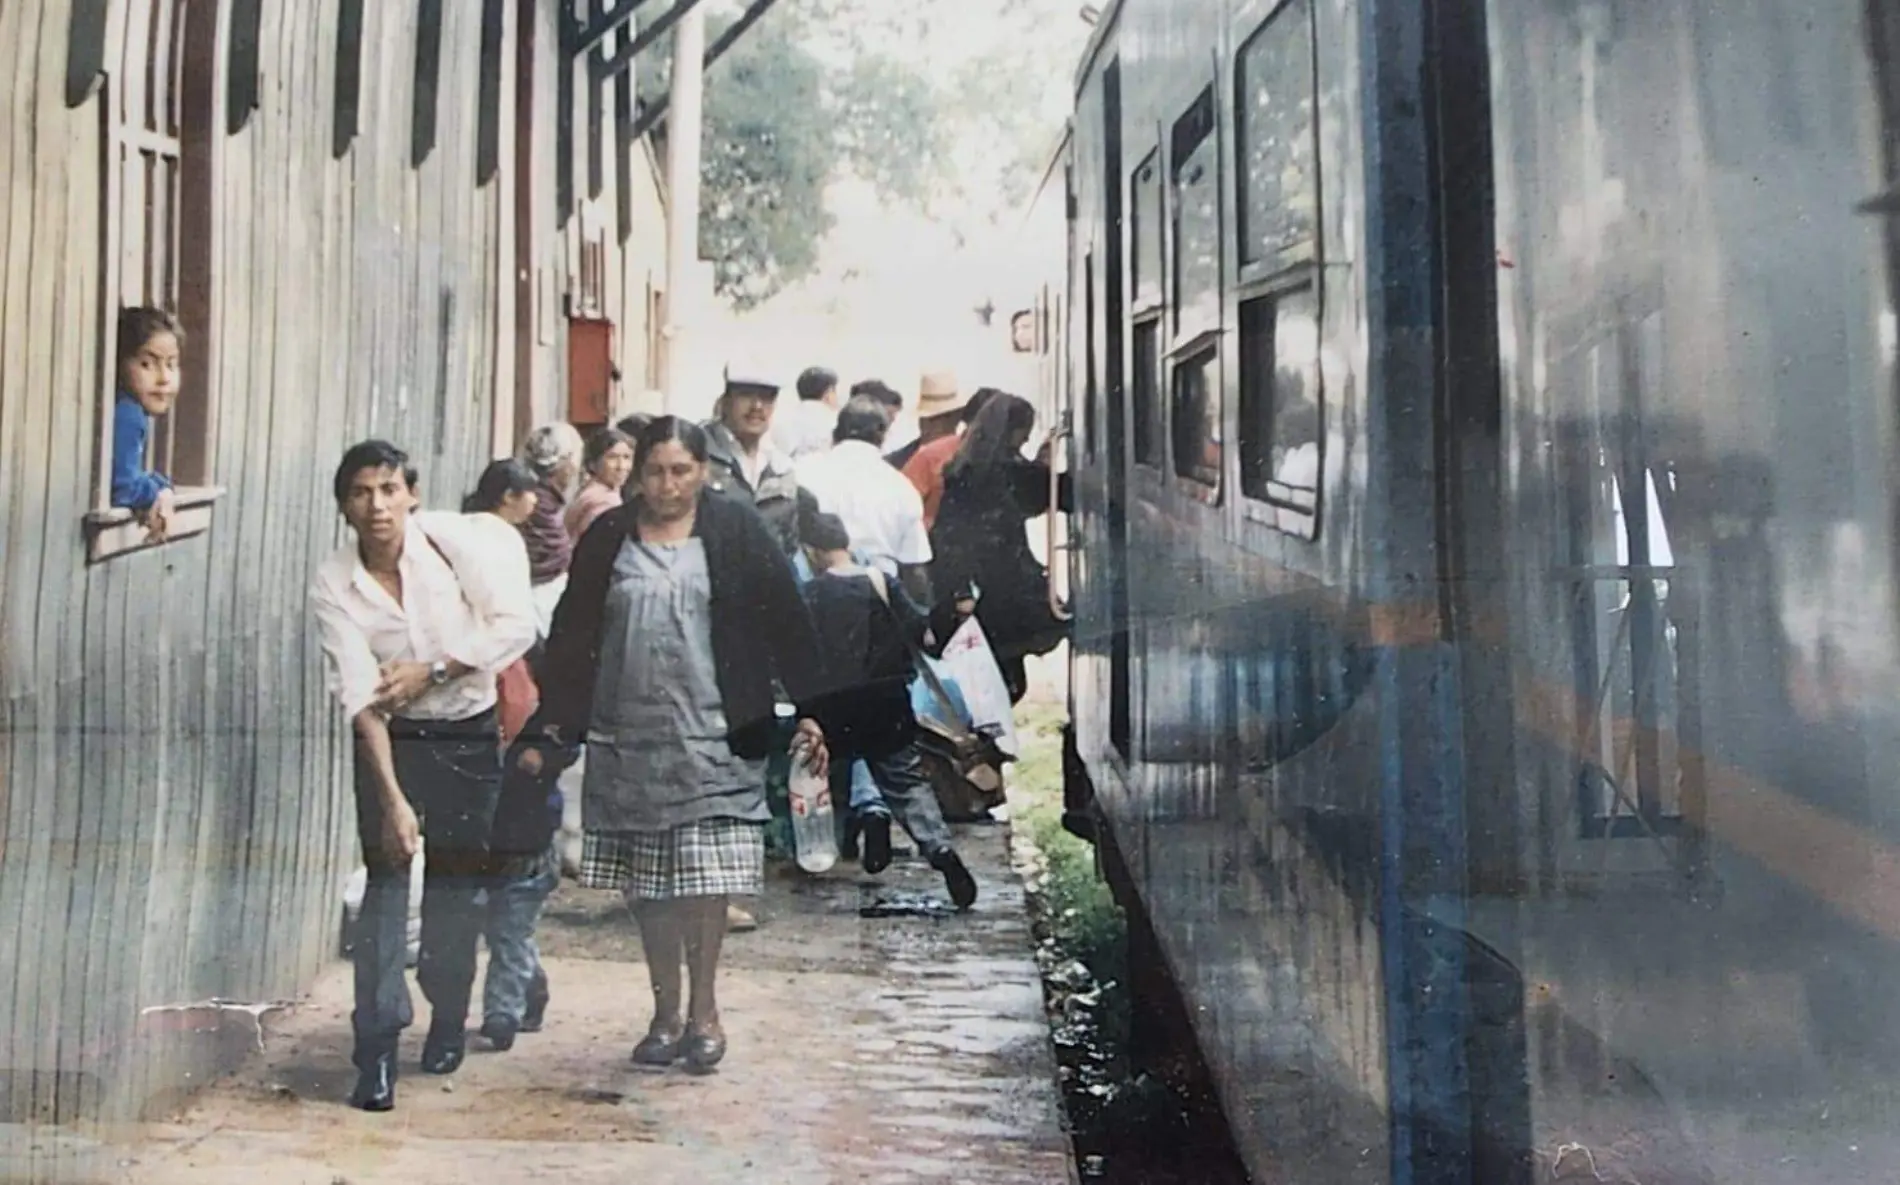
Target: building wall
point(174, 811)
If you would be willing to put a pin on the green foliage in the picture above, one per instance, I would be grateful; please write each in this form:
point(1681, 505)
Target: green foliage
point(820, 90)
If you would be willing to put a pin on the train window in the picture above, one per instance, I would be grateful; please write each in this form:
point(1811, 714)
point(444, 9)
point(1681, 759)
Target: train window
point(1147, 393)
point(1280, 399)
point(1196, 419)
point(1145, 231)
point(1197, 229)
point(1279, 166)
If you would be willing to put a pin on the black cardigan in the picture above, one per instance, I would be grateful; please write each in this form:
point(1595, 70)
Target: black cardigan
point(760, 626)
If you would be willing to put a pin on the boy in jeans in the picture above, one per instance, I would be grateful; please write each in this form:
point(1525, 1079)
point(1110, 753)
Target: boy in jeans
point(870, 630)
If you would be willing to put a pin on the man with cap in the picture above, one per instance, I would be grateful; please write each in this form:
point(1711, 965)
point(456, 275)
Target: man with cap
point(742, 459)
point(940, 413)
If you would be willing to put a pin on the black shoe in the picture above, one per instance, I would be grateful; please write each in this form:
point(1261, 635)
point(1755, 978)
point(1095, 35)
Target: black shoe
point(703, 1052)
point(500, 1032)
point(877, 843)
point(537, 1012)
point(956, 877)
point(376, 1084)
point(849, 848)
point(444, 1049)
point(660, 1047)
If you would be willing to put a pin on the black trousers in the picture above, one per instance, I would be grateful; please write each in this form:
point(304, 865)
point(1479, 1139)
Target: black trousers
point(450, 771)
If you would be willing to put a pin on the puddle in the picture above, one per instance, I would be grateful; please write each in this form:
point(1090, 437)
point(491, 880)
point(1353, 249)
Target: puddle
point(908, 905)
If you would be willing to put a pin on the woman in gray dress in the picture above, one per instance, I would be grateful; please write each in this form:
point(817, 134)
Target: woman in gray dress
point(680, 614)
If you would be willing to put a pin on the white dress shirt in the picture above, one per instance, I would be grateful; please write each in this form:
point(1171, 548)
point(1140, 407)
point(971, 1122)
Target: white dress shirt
point(469, 602)
point(804, 429)
point(881, 510)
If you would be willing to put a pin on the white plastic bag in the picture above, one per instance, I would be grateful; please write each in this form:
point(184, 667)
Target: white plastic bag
point(969, 660)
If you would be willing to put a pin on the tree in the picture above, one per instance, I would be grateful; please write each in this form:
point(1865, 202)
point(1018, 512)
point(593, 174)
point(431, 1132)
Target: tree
point(779, 127)
point(941, 105)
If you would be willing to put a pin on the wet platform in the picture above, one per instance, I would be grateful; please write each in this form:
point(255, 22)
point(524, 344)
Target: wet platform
point(901, 1047)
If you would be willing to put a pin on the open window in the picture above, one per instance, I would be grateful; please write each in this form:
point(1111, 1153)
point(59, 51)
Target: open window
point(159, 111)
point(1280, 405)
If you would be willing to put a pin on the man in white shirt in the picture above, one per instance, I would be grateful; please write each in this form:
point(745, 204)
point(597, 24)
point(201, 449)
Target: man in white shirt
point(804, 429)
point(880, 509)
point(417, 615)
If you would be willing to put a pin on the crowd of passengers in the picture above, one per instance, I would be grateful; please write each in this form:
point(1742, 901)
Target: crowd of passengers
point(629, 612)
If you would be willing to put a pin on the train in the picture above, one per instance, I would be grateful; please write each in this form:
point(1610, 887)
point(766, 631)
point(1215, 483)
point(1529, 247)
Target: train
point(1485, 680)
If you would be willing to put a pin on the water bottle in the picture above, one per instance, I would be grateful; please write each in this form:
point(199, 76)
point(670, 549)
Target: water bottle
point(814, 833)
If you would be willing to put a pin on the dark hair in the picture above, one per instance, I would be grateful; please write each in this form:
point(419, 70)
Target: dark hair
point(600, 444)
point(824, 532)
point(631, 426)
point(141, 324)
point(987, 441)
point(662, 429)
point(865, 419)
point(370, 454)
point(982, 396)
point(817, 383)
point(881, 391)
point(501, 478)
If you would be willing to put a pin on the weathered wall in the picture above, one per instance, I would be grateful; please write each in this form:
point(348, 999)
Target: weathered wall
point(175, 819)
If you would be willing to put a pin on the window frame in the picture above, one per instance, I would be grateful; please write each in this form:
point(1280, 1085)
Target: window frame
point(1149, 425)
point(1290, 269)
point(1196, 341)
point(1306, 252)
point(1282, 514)
point(189, 128)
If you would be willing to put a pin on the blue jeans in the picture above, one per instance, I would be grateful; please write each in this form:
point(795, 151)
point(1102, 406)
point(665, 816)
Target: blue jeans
point(899, 787)
point(514, 908)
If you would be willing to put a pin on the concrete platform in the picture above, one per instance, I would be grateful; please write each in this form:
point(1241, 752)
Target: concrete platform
point(897, 1050)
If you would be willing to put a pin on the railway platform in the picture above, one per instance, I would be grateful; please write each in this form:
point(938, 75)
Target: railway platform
point(872, 1040)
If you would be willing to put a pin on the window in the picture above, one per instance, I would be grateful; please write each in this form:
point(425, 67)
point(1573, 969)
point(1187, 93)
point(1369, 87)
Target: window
point(1197, 228)
point(158, 206)
point(1196, 419)
point(422, 131)
point(1278, 161)
point(1145, 230)
point(1147, 392)
point(347, 120)
point(1280, 399)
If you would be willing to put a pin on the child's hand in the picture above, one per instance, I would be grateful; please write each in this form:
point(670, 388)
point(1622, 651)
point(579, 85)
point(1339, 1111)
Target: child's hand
point(158, 520)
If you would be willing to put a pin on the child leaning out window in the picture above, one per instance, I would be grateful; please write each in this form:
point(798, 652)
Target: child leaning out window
point(149, 344)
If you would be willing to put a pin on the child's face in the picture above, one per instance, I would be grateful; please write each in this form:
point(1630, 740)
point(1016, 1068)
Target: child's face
point(151, 375)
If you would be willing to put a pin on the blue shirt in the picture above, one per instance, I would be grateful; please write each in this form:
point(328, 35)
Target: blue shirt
point(134, 487)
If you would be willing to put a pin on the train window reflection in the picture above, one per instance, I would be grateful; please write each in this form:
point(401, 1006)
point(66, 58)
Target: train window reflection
point(1145, 232)
point(1146, 387)
point(1279, 399)
point(1197, 230)
point(1196, 419)
point(1279, 167)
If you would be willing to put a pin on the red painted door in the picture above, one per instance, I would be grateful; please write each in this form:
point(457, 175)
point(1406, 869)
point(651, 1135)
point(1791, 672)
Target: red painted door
point(590, 372)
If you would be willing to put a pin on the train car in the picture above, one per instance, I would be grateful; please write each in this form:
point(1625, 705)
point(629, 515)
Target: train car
point(1484, 675)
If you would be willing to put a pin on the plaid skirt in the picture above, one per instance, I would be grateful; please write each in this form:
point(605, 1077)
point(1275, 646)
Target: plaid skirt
point(708, 858)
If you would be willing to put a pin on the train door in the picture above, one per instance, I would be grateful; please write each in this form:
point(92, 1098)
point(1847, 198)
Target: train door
point(1113, 369)
point(1468, 436)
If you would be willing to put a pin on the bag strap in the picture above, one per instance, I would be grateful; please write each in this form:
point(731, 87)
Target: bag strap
point(951, 718)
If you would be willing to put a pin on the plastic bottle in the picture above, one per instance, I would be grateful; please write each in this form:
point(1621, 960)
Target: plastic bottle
point(814, 833)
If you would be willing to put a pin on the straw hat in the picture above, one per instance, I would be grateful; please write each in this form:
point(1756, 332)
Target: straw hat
point(937, 395)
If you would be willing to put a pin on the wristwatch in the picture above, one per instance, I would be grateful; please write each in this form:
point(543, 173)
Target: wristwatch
point(438, 672)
